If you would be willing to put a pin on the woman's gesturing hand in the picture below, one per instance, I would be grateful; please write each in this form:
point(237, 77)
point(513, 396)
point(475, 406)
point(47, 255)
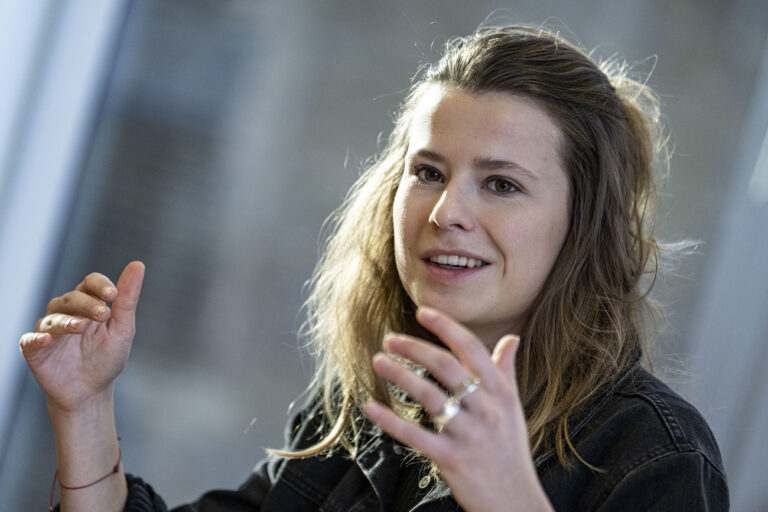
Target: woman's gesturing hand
point(80, 345)
point(483, 451)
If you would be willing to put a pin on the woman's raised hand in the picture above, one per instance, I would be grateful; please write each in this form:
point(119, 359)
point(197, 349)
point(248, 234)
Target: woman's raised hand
point(482, 452)
point(81, 345)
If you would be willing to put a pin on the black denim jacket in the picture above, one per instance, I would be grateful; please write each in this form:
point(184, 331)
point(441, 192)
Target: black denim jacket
point(654, 450)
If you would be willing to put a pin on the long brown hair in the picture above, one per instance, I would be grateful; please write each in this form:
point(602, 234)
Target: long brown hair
point(588, 322)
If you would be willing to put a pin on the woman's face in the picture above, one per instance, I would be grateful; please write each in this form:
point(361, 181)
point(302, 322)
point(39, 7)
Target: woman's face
point(482, 208)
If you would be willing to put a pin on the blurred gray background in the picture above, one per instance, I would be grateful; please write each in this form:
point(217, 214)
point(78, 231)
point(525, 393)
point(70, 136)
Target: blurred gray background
point(213, 137)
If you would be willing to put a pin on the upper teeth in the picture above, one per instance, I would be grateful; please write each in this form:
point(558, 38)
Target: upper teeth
point(456, 261)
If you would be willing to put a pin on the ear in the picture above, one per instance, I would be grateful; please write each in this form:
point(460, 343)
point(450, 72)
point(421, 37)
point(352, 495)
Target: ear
point(504, 354)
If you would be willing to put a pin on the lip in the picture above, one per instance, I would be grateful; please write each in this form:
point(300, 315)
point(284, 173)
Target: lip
point(458, 252)
point(449, 275)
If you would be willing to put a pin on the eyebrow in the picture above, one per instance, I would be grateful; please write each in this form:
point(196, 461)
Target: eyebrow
point(485, 163)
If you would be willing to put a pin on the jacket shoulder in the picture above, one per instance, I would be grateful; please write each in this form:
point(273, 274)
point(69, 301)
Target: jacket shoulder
point(642, 439)
point(663, 416)
point(643, 418)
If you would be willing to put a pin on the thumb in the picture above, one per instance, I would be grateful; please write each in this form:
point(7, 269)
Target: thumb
point(504, 354)
point(128, 290)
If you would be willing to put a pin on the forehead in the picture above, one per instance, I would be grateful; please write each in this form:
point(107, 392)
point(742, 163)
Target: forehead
point(489, 124)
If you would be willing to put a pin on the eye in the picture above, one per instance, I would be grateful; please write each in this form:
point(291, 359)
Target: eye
point(501, 185)
point(428, 174)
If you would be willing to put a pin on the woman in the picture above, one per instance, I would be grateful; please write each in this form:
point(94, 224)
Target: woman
point(478, 315)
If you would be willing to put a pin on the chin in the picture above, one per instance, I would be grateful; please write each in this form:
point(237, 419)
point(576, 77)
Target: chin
point(460, 310)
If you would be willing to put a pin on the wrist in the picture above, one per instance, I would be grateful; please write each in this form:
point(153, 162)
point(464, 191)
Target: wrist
point(94, 406)
point(85, 436)
point(87, 450)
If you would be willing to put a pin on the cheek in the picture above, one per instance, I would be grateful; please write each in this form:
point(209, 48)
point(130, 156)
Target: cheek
point(559, 230)
point(403, 238)
point(400, 226)
point(398, 216)
point(551, 243)
point(533, 245)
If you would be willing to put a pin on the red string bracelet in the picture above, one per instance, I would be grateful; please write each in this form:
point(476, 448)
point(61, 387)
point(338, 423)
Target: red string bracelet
point(114, 470)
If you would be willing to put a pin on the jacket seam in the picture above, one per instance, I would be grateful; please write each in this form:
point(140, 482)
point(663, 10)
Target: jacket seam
point(301, 486)
point(668, 418)
point(681, 442)
point(640, 462)
point(324, 500)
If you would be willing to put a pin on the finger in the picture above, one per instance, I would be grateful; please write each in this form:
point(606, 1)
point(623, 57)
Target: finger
point(431, 398)
point(31, 342)
point(128, 290)
point(462, 342)
point(59, 323)
point(408, 433)
point(439, 362)
point(79, 303)
point(418, 388)
point(504, 354)
point(98, 285)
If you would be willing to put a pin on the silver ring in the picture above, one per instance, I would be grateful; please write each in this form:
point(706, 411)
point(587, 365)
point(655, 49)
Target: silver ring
point(466, 388)
point(450, 409)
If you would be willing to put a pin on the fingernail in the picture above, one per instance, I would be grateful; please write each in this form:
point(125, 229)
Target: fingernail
point(514, 338)
point(74, 324)
point(102, 310)
point(108, 290)
point(371, 407)
point(388, 341)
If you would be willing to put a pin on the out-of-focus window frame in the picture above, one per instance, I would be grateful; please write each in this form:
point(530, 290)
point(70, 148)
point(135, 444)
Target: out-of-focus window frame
point(53, 60)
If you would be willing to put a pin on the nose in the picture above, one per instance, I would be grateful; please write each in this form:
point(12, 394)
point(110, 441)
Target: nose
point(453, 209)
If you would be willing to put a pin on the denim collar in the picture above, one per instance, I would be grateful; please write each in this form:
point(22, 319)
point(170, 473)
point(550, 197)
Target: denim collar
point(380, 460)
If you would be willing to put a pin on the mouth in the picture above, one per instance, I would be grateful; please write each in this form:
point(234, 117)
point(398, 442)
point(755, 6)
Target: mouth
point(455, 262)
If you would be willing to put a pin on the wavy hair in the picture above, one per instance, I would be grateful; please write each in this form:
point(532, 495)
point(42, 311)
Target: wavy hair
point(588, 322)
